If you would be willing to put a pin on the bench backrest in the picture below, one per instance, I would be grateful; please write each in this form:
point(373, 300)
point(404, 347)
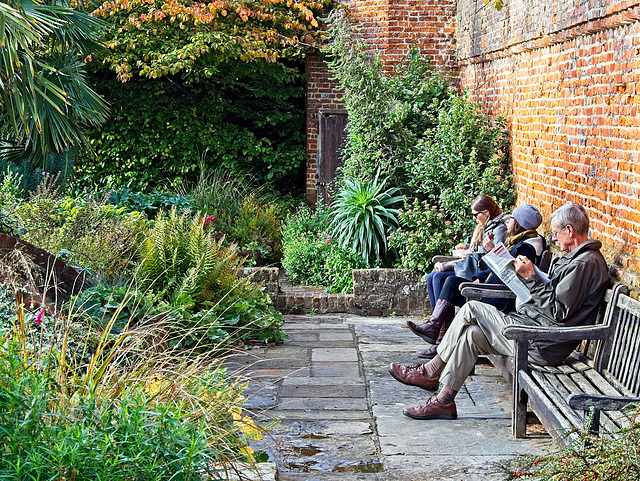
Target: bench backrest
point(618, 357)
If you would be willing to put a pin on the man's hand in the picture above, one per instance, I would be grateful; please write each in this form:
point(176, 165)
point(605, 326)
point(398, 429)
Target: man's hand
point(524, 267)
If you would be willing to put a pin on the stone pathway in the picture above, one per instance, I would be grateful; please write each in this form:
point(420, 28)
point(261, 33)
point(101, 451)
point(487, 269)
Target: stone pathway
point(338, 412)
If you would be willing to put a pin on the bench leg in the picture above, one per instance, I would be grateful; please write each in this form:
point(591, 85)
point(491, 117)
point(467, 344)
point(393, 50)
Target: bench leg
point(520, 398)
point(519, 421)
point(591, 424)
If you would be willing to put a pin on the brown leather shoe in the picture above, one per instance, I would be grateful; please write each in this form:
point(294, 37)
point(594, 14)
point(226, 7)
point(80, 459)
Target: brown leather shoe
point(433, 409)
point(428, 353)
point(413, 376)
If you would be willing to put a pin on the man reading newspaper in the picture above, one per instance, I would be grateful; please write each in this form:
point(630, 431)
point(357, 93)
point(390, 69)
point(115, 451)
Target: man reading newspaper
point(576, 283)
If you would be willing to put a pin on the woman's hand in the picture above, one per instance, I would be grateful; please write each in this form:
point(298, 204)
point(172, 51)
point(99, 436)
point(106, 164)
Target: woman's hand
point(488, 244)
point(460, 247)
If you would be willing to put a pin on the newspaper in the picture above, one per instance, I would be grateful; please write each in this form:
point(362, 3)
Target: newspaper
point(501, 263)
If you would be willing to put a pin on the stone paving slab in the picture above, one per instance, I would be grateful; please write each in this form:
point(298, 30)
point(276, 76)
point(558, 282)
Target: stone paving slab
point(335, 369)
point(334, 355)
point(295, 415)
point(340, 412)
point(334, 404)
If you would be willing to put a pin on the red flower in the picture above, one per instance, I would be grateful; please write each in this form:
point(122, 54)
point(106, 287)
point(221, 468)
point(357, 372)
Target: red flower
point(209, 221)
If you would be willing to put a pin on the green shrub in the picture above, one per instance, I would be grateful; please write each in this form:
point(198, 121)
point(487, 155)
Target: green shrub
point(194, 272)
point(160, 419)
point(421, 136)
point(221, 192)
point(242, 213)
point(58, 167)
point(363, 214)
point(387, 113)
point(339, 265)
point(151, 203)
point(113, 308)
point(87, 232)
point(425, 232)
point(312, 257)
point(185, 264)
point(256, 231)
point(460, 158)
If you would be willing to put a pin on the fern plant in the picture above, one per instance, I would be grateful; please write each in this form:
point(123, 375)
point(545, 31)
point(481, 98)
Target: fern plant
point(364, 212)
point(185, 263)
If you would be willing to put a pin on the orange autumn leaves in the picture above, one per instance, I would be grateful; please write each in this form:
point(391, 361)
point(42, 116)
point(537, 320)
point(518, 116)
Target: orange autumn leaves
point(154, 38)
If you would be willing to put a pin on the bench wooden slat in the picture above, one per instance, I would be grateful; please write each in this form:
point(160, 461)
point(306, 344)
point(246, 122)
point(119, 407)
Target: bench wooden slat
point(590, 381)
point(552, 419)
point(555, 390)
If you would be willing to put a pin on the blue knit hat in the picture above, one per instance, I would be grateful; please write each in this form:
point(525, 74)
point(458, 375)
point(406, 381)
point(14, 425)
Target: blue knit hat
point(527, 216)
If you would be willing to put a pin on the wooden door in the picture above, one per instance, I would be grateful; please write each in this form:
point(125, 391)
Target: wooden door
point(331, 135)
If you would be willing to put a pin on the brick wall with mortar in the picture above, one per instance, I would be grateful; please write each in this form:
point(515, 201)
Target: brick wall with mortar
point(390, 27)
point(565, 75)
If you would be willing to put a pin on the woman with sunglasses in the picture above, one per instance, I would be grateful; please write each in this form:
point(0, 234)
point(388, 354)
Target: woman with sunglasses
point(523, 240)
point(490, 223)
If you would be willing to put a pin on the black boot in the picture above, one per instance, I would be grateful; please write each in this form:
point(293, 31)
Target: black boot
point(430, 330)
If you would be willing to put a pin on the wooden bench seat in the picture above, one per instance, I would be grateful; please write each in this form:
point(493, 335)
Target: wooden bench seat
point(562, 397)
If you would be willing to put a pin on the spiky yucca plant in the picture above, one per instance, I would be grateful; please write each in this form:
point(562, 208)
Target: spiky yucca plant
point(186, 263)
point(363, 214)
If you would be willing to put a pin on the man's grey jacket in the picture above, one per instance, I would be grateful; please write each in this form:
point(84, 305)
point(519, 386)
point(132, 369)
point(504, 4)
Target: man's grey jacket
point(577, 283)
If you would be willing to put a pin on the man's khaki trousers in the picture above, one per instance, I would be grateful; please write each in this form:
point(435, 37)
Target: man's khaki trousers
point(475, 331)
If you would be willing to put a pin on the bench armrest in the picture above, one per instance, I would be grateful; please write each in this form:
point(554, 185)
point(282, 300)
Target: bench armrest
point(560, 334)
point(474, 290)
point(584, 401)
point(445, 259)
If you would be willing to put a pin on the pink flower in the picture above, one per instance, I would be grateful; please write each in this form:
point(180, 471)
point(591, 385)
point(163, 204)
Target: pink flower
point(39, 317)
point(209, 221)
point(328, 240)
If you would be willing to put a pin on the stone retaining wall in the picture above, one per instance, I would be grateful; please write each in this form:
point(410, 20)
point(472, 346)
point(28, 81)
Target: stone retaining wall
point(381, 292)
point(377, 292)
point(267, 277)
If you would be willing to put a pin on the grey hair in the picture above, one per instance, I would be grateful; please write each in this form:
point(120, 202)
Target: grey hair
point(574, 215)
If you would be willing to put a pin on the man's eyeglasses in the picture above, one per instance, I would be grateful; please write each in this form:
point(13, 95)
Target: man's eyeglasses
point(555, 234)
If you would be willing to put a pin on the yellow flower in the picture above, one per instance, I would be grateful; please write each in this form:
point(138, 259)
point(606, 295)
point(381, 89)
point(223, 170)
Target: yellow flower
point(153, 384)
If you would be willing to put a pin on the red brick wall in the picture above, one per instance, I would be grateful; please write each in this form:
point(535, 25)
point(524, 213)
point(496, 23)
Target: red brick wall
point(393, 26)
point(566, 76)
point(390, 27)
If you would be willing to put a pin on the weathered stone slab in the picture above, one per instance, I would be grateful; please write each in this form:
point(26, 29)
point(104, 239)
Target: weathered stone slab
point(339, 391)
point(335, 369)
point(334, 355)
point(335, 404)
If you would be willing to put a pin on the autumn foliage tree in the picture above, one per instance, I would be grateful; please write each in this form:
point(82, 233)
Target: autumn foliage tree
point(154, 38)
point(216, 82)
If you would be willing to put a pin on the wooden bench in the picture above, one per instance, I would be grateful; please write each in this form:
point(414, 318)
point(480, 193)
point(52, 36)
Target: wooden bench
point(583, 392)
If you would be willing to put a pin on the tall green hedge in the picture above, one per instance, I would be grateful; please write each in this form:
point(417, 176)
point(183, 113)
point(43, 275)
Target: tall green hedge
point(249, 118)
